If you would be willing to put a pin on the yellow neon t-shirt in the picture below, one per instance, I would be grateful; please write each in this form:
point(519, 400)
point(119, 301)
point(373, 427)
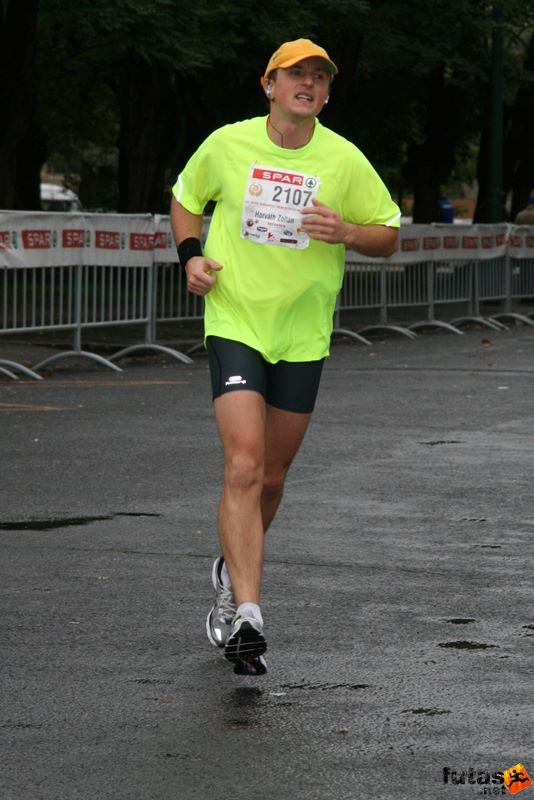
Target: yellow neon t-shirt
point(277, 289)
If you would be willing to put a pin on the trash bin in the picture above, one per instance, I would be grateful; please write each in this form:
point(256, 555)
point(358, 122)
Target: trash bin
point(445, 210)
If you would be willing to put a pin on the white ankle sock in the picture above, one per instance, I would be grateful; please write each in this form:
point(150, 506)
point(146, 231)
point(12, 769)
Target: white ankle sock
point(250, 610)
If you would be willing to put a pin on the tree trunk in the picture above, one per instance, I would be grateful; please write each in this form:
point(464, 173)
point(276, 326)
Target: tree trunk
point(430, 163)
point(519, 144)
point(343, 114)
point(19, 177)
point(146, 136)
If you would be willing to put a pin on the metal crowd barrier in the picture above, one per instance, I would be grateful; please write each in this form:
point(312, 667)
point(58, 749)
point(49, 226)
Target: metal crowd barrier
point(500, 271)
point(74, 272)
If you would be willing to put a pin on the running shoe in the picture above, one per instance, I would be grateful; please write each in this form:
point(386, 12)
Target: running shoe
point(219, 621)
point(246, 640)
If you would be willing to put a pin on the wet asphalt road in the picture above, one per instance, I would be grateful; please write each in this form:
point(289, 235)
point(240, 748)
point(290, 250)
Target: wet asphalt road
point(398, 592)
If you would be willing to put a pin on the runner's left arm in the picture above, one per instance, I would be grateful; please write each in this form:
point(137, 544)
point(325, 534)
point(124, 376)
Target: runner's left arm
point(325, 225)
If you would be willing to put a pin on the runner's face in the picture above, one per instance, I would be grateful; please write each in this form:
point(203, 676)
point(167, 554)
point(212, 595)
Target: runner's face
point(302, 89)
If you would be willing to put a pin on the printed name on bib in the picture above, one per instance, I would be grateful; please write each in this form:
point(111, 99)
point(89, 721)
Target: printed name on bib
point(273, 201)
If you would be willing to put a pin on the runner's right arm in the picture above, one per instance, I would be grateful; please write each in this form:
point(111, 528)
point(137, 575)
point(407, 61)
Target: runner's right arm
point(199, 269)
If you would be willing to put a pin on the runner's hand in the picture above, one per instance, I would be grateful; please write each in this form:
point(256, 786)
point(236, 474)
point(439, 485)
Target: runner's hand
point(201, 274)
point(323, 223)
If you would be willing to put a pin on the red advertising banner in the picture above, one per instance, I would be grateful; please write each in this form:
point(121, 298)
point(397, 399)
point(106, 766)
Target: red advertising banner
point(34, 239)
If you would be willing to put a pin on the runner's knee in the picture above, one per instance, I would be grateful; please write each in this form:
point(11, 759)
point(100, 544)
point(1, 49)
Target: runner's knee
point(243, 472)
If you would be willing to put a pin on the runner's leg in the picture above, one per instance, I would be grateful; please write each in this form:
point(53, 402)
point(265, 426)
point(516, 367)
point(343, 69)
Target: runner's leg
point(240, 417)
point(291, 392)
point(284, 432)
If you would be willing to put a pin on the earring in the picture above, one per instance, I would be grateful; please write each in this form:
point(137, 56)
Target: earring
point(326, 101)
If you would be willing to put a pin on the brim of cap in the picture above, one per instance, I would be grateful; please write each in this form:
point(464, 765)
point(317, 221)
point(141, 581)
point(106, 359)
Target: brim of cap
point(291, 61)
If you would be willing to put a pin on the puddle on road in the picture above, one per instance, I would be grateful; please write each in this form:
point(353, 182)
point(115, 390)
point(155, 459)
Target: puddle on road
point(184, 756)
point(435, 442)
point(325, 687)
point(461, 620)
point(429, 712)
point(23, 726)
point(63, 522)
point(241, 724)
point(465, 645)
point(488, 546)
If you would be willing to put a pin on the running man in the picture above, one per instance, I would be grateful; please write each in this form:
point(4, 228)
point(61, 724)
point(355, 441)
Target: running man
point(290, 197)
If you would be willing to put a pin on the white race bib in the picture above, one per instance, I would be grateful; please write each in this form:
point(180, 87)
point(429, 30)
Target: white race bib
point(272, 204)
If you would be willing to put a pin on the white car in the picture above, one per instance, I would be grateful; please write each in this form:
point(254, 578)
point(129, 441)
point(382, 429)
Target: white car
point(57, 198)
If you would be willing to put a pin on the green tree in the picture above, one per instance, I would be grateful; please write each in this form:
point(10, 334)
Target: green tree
point(427, 84)
point(127, 91)
point(21, 148)
point(164, 88)
point(518, 178)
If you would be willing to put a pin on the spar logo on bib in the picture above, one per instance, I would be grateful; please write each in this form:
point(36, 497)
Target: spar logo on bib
point(288, 178)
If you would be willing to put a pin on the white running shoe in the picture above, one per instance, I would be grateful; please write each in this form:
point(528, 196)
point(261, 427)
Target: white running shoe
point(219, 621)
point(246, 643)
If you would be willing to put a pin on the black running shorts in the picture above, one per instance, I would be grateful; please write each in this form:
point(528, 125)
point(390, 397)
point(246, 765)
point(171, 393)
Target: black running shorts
point(288, 385)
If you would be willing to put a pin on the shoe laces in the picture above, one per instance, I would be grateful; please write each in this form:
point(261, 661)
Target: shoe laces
point(226, 602)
